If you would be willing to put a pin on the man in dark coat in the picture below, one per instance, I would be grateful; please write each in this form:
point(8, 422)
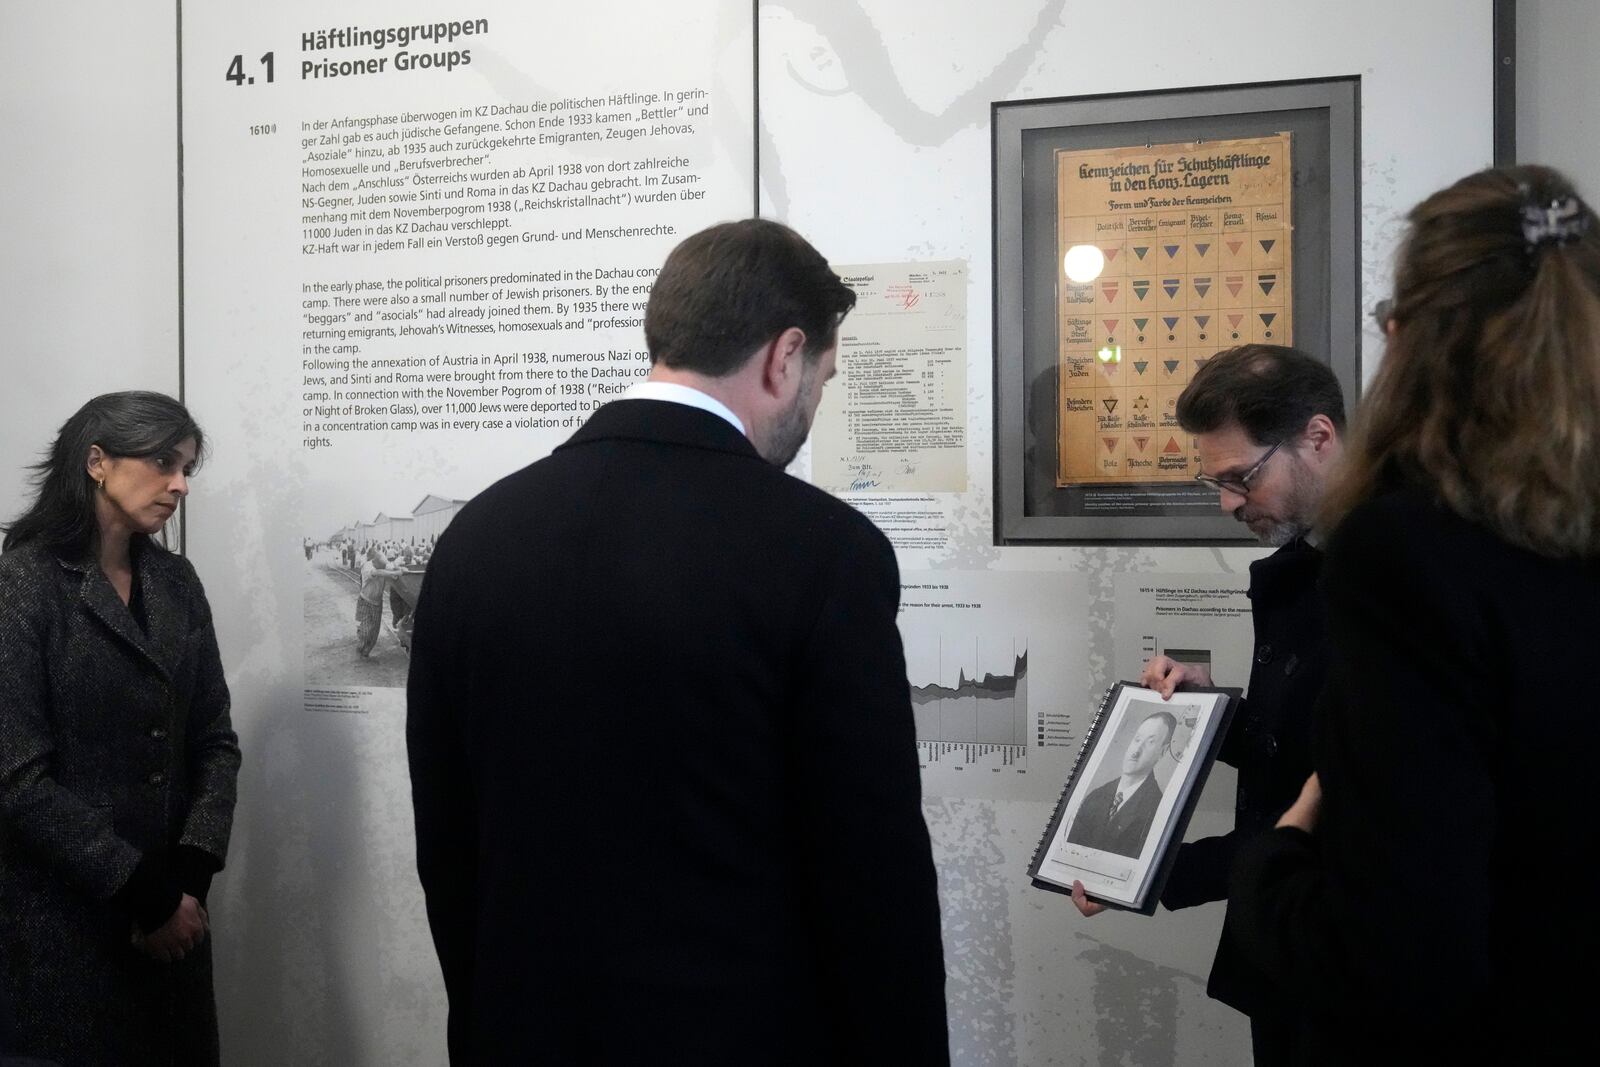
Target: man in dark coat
point(1268, 424)
point(674, 815)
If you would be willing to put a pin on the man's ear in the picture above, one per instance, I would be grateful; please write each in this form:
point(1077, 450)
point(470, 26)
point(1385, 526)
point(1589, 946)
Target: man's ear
point(1321, 434)
point(780, 362)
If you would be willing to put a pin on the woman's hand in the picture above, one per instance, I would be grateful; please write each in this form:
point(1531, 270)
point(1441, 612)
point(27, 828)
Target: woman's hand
point(180, 934)
point(1302, 814)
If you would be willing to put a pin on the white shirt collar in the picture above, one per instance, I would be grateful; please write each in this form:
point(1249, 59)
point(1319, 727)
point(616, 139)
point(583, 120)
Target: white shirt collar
point(674, 393)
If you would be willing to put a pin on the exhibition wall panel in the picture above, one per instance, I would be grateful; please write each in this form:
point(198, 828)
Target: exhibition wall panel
point(1557, 83)
point(875, 142)
point(419, 243)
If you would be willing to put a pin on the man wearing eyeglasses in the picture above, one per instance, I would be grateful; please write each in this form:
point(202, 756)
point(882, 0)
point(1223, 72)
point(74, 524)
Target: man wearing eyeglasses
point(1268, 424)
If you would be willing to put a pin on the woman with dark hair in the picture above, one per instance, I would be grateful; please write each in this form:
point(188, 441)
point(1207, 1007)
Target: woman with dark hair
point(117, 758)
point(1426, 897)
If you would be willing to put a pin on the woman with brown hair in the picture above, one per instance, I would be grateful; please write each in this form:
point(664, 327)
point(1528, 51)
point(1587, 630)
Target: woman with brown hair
point(1415, 900)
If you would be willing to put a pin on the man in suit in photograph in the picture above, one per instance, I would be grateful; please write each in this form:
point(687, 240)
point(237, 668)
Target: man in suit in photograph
point(1116, 817)
point(672, 813)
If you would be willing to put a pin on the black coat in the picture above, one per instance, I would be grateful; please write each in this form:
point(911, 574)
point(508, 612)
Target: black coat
point(1269, 741)
point(115, 748)
point(1442, 912)
point(663, 764)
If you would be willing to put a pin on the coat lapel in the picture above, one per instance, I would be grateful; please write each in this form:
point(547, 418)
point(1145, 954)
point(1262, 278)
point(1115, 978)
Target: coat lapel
point(1133, 807)
point(164, 609)
point(163, 644)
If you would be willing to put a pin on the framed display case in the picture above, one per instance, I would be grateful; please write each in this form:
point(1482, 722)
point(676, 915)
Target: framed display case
point(1137, 235)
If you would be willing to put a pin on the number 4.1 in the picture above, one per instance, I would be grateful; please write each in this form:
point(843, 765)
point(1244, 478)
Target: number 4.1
point(237, 75)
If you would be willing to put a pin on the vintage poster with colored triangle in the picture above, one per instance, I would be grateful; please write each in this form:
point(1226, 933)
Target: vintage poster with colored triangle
point(1197, 254)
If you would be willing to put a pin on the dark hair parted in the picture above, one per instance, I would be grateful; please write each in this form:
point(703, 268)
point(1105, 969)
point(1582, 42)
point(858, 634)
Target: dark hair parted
point(133, 423)
point(728, 290)
point(1269, 391)
point(1165, 718)
point(1489, 392)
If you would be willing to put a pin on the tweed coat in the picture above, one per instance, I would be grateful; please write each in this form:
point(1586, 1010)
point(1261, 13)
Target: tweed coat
point(114, 743)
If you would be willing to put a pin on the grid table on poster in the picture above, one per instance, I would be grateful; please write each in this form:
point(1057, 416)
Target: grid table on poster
point(1180, 283)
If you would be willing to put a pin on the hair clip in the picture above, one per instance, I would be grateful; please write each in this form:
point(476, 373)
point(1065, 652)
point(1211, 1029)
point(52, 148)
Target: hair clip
point(1562, 221)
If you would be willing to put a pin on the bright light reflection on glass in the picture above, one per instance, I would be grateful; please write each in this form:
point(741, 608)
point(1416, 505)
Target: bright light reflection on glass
point(1083, 263)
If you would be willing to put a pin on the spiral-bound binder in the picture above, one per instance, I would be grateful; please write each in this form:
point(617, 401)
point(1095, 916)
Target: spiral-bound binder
point(1097, 848)
point(1089, 738)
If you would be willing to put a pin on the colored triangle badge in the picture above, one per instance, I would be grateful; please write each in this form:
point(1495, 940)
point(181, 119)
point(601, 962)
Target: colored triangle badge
point(1110, 253)
point(1202, 320)
point(1235, 282)
point(1172, 250)
point(1140, 288)
point(1202, 286)
point(1267, 282)
point(1201, 362)
point(1140, 442)
point(1171, 322)
point(1234, 320)
point(1110, 443)
point(1139, 365)
point(1138, 324)
point(1234, 246)
point(1266, 246)
point(1111, 404)
point(1171, 447)
point(1111, 325)
point(1267, 317)
point(1110, 289)
point(1202, 248)
point(1140, 251)
point(1171, 365)
point(1171, 285)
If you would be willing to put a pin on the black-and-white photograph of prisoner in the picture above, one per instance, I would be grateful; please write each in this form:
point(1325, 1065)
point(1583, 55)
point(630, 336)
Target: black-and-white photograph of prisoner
point(362, 583)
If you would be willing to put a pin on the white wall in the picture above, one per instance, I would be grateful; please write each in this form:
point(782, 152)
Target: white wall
point(88, 215)
point(1558, 88)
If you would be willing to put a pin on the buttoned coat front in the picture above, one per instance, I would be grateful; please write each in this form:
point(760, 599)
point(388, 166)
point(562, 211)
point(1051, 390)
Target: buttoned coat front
point(115, 741)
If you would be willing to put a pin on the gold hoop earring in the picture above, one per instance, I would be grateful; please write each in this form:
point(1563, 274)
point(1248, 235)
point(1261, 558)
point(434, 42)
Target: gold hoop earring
point(100, 484)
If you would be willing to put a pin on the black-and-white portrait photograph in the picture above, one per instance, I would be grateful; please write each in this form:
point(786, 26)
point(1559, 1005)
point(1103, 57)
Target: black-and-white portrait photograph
point(1119, 810)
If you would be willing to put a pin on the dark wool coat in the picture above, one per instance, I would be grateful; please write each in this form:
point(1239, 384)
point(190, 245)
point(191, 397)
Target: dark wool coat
point(1443, 911)
point(749, 877)
point(114, 743)
point(1270, 744)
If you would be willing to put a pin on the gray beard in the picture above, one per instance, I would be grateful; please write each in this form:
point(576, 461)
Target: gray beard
point(1281, 533)
point(1305, 498)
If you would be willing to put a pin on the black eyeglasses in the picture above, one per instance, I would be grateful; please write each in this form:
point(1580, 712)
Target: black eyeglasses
point(1240, 484)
